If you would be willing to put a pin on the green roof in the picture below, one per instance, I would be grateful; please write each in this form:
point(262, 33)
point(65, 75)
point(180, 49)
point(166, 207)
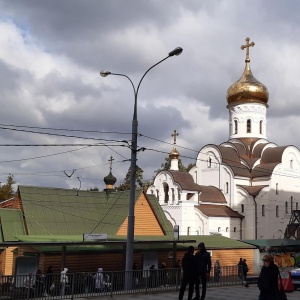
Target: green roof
point(53, 211)
point(11, 224)
point(218, 242)
point(273, 243)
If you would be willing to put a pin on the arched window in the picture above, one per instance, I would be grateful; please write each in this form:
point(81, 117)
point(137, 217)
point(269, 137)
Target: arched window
point(248, 126)
point(277, 189)
point(157, 193)
point(227, 188)
point(263, 210)
point(219, 229)
point(188, 230)
point(235, 126)
point(209, 163)
point(227, 229)
point(260, 127)
point(166, 190)
point(277, 211)
point(234, 229)
point(242, 207)
point(286, 207)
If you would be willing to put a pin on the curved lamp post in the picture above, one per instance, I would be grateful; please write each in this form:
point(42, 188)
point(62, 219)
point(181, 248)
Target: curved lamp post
point(134, 150)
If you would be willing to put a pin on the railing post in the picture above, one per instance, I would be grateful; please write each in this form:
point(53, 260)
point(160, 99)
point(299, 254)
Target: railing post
point(72, 287)
point(29, 286)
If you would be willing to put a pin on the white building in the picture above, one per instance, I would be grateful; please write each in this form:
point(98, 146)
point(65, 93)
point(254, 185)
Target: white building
point(244, 188)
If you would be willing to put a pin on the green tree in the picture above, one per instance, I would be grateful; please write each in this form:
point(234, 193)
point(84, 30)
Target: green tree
point(138, 177)
point(7, 189)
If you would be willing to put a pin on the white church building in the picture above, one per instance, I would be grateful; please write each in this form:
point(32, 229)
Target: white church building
point(244, 188)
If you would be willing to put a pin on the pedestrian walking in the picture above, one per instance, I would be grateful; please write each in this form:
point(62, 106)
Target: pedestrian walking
point(245, 272)
point(99, 280)
point(202, 271)
point(268, 279)
point(49, 279)
point(240, 268)
point(188, 273)
point(164, 275)
point(152, 276)
point(64, 280)
point(39, 286)
point(217, 271)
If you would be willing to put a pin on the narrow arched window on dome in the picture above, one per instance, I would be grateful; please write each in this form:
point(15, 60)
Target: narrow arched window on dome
point(248, 126)
point(277, 211)
point(291, 164)
point(260, 127)
point(235, 126)
point(209, 163)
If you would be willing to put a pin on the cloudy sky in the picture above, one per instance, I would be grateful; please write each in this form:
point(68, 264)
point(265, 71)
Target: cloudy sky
point(61, 121)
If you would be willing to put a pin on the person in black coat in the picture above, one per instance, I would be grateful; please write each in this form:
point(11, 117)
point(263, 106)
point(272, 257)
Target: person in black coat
point(188, 273)
point(268, 279)
point(202, 270)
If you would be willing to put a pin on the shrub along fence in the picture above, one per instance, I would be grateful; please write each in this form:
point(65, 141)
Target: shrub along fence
point(78, 285)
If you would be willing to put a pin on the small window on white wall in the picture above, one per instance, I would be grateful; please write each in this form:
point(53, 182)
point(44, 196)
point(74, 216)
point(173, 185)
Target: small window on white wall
point(234, 229)
point(235, 126)
point(209, 163)
point(219, 229)
point(260, 127)
point(188, 230)
point(242, 207)
point(263, 210)
point(227, 229)
point(276, 188)
point(248, 126)
point(277, 211)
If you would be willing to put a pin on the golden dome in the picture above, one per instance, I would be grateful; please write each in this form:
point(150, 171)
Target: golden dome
point(247, 88)
point(174, 154)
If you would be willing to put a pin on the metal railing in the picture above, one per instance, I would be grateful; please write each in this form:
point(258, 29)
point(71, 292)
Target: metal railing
point(84, 285)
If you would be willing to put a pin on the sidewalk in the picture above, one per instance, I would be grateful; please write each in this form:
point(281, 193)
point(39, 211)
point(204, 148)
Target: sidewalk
point(213, 293)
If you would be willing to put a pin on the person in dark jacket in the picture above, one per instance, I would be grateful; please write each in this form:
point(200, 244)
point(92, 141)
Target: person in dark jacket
point(188, 273)
point(202, 270)
point(268, 279)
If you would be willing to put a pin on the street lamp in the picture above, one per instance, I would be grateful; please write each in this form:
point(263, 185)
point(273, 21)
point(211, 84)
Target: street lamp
point(134, 150)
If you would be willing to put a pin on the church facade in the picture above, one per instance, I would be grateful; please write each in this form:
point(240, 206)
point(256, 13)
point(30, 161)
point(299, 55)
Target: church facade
point(244, 188)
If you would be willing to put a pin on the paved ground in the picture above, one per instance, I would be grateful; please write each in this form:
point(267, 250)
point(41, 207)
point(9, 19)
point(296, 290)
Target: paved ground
point(213, 293)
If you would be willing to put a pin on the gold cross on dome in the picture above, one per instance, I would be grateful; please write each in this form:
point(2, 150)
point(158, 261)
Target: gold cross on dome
point(110, 160)
point(174, 135)
point(247, 46)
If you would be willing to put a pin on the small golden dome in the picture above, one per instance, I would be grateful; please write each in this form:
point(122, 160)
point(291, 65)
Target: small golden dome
point(174, 154)
point(247, 88)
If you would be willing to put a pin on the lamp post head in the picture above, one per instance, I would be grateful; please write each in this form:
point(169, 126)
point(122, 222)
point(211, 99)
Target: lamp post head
point(104, 73)
point(176, 51)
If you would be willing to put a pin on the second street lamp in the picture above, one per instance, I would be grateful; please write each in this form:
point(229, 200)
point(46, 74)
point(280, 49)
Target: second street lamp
point(134, 150)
